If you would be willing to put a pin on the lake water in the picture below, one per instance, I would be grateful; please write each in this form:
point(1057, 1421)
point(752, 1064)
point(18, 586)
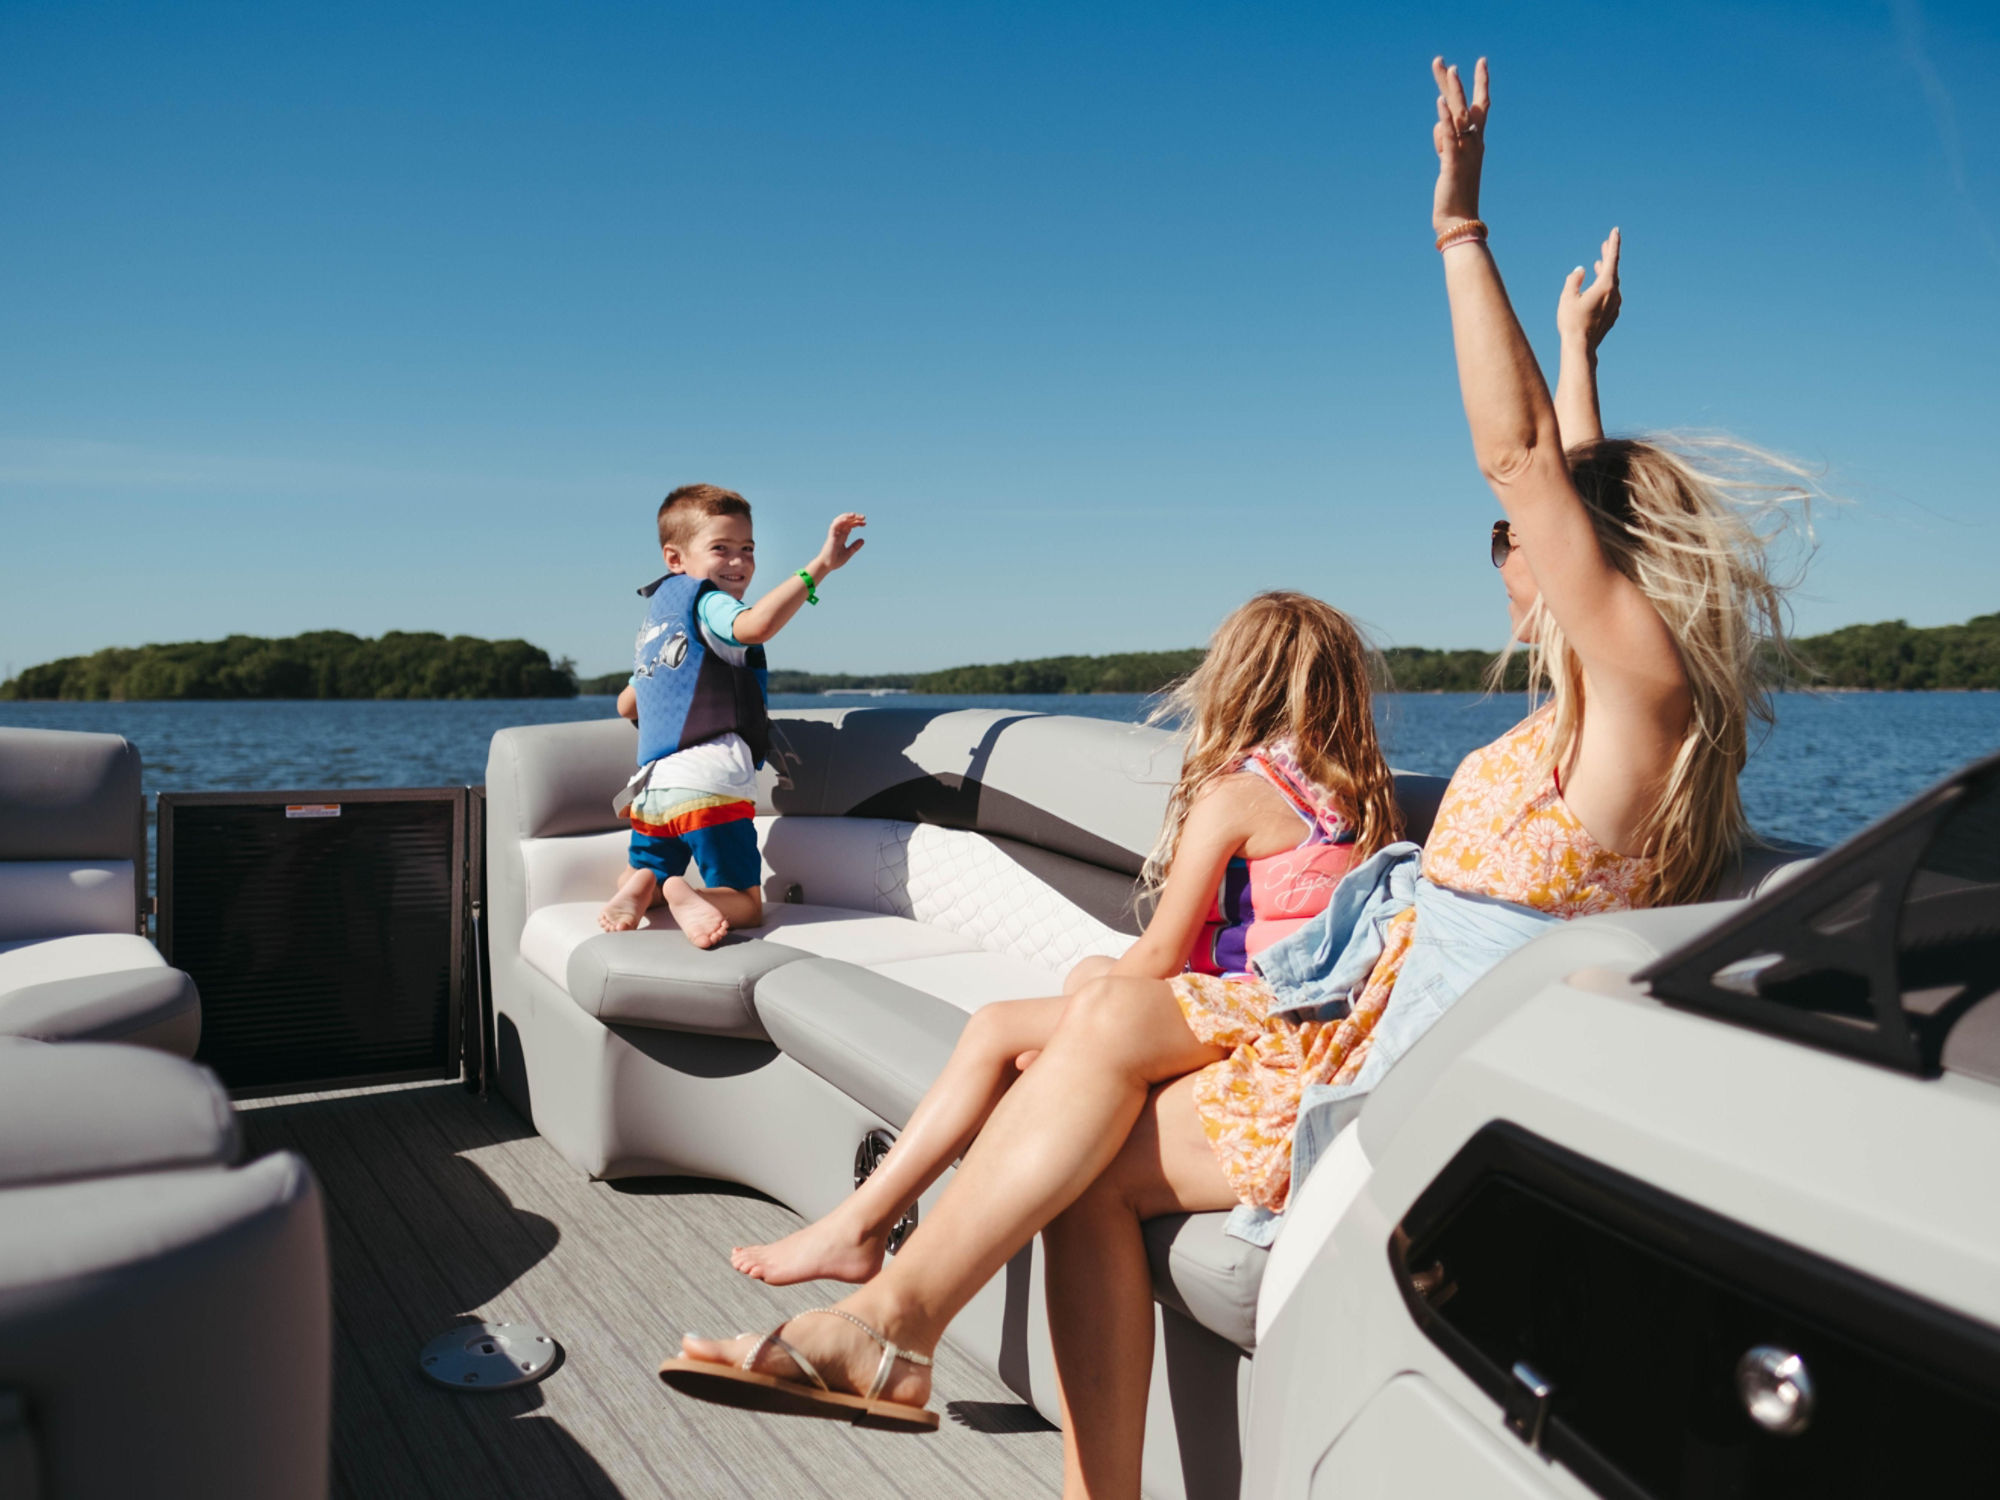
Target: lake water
point(1835, 762)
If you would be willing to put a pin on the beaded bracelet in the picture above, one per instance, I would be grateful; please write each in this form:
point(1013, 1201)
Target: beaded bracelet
point(1461, 232)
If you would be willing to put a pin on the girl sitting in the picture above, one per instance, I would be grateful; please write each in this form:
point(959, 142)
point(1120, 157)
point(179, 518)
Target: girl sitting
point(1282, 790)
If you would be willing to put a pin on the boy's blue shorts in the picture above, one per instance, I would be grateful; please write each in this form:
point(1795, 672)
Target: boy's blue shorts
point(726, 854)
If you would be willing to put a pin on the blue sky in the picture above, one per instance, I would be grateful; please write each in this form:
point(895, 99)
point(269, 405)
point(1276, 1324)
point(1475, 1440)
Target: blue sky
point(378, 317)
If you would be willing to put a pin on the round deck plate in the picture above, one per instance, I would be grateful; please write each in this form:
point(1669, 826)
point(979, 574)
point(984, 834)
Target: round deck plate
point(489, 1356)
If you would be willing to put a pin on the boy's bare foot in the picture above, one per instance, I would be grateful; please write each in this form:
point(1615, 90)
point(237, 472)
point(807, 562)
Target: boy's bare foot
point(824, 1250)
point(627, 909)
point(698, 918)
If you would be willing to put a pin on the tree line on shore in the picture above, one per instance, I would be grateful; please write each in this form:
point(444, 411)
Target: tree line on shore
point(1891, 656)
point(320, 664)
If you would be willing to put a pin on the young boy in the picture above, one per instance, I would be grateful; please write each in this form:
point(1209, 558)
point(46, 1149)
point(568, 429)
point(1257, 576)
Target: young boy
point(697, 695)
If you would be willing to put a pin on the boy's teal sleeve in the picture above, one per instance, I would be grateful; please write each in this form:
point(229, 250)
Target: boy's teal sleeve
point(717, 613)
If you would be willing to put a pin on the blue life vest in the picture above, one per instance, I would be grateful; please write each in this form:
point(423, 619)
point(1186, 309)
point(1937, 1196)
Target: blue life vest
point(688, 694)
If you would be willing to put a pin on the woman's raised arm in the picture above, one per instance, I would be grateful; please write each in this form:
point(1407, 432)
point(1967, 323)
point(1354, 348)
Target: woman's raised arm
point(1584, 315)
point(1636, 690)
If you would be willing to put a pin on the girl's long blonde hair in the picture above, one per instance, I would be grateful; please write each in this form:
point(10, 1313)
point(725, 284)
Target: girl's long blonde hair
point(1283, 667)
point(1694, 526)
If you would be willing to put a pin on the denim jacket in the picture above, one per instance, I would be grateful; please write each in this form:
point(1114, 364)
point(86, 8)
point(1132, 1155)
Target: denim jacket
point(1317, 972)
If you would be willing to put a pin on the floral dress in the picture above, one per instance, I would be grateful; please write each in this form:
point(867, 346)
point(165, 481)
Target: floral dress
point(1502, 830)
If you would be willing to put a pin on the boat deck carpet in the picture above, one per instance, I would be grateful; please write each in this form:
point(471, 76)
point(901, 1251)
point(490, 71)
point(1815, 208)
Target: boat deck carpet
point(443, 1208)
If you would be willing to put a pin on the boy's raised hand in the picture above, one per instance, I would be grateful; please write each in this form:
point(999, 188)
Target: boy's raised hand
point(838, 548)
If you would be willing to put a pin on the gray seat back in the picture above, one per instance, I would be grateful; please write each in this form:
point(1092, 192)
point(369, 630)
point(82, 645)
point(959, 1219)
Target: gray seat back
point(72, 834)
point(1078, 801)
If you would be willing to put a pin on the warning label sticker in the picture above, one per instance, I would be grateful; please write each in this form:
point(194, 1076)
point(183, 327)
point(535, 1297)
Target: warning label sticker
point(312, 809)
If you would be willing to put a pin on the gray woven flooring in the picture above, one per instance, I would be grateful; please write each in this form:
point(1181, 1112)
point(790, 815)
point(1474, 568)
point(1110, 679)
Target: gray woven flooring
point(442, 1208)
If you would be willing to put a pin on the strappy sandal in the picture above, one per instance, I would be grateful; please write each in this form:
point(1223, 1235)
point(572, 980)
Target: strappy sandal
point(743, 1385)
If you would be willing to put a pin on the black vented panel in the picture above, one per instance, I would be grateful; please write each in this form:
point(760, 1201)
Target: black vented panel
point(327, 948)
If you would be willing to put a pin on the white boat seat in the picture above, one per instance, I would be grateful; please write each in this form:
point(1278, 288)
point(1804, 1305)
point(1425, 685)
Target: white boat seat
point(656, 977)
point(72, 883)
point(88, 1109)
point(1209, 1275)
point(879, 1041)
point(169, 1333)
point(97, 986)
point(165, 1324)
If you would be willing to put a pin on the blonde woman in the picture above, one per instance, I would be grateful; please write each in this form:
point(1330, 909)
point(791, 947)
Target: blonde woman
point(1282, 789)
point(1643, 595)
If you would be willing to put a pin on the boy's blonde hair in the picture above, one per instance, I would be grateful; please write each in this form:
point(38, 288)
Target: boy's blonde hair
point(683, 512)
point(1693, 525)
point(1283, 667)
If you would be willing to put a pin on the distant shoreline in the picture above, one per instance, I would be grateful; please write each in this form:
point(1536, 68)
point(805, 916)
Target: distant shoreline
point(1891, 657)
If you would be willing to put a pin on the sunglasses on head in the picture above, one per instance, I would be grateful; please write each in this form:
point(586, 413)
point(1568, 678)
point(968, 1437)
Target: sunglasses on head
point(1503, 543)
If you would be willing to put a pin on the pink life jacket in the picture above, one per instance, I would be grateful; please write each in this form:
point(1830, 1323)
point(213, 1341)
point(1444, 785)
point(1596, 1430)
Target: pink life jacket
point(1263, 900)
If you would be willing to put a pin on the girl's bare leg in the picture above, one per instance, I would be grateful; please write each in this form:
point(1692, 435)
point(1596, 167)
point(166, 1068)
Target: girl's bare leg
point(1047, 1140)
point(1100, 1288)
point(848, 1244)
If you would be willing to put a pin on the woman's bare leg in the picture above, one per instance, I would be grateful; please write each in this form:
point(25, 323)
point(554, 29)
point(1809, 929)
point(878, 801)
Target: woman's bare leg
point(848, 1243)
point(1090, 966)
point(1047, 1140)
point(1100, 1288)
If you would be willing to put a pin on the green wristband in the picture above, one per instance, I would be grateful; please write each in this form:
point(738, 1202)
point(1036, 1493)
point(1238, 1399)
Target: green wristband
point(811, 597)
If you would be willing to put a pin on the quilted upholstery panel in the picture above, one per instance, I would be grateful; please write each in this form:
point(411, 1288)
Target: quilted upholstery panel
point(945, 877)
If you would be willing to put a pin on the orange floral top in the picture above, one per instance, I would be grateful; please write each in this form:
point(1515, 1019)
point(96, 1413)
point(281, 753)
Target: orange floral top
point(1502, 830)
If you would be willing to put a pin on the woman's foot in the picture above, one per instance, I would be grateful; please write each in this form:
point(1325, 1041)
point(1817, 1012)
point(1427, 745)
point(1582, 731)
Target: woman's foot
point(698, 918)
point(825, 1250)
point(627, 909)
point(847, 1359)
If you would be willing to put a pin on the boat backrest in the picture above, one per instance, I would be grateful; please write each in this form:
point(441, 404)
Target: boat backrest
point(72, 834)
point(1071, 804)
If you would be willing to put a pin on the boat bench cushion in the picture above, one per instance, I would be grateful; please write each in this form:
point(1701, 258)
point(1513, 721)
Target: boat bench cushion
point(1206, 1273)
point(86, 1109)
point(879, 1041)
point(105, 986)
point(656, 977)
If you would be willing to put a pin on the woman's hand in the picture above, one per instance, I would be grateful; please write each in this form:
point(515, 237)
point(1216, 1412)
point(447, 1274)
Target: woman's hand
point(1585, 314)
point(1460, 137)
